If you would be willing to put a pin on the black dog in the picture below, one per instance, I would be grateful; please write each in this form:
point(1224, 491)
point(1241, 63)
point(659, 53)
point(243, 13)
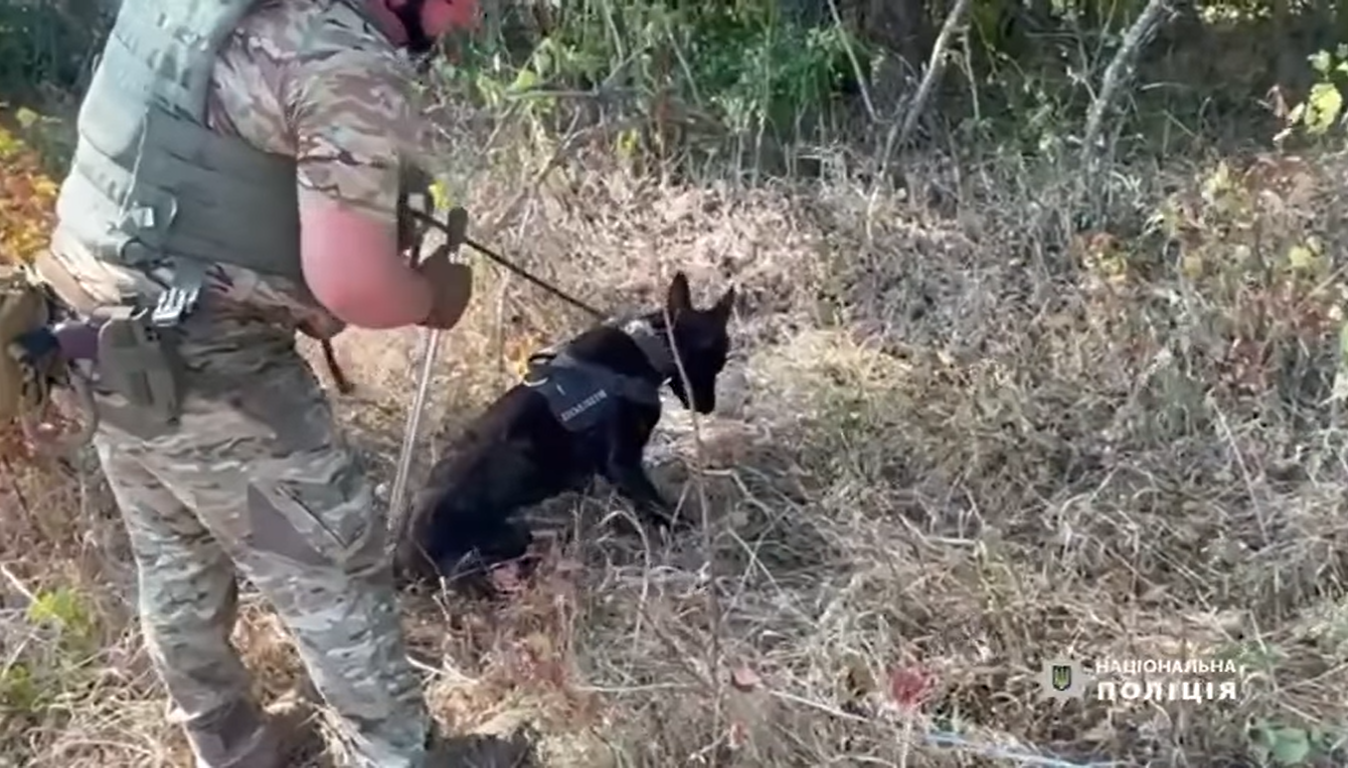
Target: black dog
point(585, 409)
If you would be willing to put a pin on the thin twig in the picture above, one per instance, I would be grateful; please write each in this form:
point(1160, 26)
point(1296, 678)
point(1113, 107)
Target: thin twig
point(857, 71)
point(17, 583)
point(713, 599)
point(952, 740)
point(986, 749)
point(14, 486)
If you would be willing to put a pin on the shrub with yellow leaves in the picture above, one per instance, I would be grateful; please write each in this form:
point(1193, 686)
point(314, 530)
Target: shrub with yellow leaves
point(27, 208)
point(27, 200)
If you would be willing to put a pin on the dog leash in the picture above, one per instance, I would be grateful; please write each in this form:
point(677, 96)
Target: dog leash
point(508, 264)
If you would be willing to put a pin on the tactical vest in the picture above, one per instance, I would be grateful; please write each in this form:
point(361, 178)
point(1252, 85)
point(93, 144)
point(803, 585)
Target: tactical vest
point(149, 181)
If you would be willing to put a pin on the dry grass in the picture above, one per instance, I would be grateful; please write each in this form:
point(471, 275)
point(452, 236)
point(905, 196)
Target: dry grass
point(953, 438)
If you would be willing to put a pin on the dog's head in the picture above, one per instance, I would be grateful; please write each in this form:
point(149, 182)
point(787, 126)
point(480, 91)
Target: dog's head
point(701, 343)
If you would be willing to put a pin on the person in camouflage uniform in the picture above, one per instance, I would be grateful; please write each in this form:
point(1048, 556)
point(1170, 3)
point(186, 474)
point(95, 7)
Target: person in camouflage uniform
point(256, 480)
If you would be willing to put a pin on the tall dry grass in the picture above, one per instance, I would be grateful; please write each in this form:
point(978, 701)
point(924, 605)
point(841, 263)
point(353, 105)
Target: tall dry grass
point(957, 438)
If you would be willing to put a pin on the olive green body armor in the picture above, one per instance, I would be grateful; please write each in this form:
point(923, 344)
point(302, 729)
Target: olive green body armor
point(149, 181)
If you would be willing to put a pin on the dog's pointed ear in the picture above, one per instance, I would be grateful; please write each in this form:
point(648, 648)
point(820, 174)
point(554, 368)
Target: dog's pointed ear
point(723, 306)
point(679, 299)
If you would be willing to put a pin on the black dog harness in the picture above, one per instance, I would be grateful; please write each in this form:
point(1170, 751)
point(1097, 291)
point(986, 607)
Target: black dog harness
point(583, 394)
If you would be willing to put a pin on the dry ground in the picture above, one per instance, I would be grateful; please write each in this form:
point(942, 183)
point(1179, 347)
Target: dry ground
point(954, 440)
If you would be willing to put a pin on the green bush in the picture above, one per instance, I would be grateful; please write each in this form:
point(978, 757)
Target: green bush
point(47, 44)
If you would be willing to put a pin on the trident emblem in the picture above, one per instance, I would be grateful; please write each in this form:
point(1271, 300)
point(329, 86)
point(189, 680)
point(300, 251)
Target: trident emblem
point(1061, 677)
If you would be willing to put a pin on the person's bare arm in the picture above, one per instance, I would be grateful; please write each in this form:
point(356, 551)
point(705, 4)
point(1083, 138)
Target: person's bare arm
point(353, 119)
point(352, 265)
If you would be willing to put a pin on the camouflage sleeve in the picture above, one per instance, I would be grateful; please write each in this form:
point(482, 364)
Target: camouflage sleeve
point(355, 117)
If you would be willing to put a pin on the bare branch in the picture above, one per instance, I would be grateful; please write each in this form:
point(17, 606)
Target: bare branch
point(1120, 70)
point(935, 67)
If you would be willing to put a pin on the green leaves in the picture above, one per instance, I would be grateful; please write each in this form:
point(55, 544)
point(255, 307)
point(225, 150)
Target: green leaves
point(1287, 746)
point(1291, 746)
point(1324, 105)
point(745, 65)
point(64, 610)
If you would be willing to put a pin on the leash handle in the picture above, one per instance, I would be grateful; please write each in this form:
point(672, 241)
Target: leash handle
point(455, 228)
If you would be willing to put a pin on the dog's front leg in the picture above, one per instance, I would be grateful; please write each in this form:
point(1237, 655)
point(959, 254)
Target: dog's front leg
point(504, 541)
point(630, 479)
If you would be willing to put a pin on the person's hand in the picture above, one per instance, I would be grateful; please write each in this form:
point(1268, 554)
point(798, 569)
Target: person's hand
point(451, 289)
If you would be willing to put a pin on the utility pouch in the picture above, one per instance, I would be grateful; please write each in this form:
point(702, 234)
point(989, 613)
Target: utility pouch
point(141, 363)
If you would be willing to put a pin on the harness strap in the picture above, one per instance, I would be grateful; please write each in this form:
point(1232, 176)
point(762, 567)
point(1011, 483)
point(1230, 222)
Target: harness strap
point(657, 351)
point(650, 337)
point(600, 378)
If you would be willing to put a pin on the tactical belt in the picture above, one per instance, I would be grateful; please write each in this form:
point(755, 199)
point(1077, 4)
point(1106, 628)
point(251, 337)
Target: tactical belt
point(137, 351)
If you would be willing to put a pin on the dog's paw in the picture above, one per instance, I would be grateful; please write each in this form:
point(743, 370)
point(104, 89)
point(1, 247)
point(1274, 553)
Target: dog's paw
point(487, 577)
point(508, 579)
point(496, 584)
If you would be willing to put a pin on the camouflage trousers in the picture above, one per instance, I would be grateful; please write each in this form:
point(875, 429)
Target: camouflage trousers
point(256, 482)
